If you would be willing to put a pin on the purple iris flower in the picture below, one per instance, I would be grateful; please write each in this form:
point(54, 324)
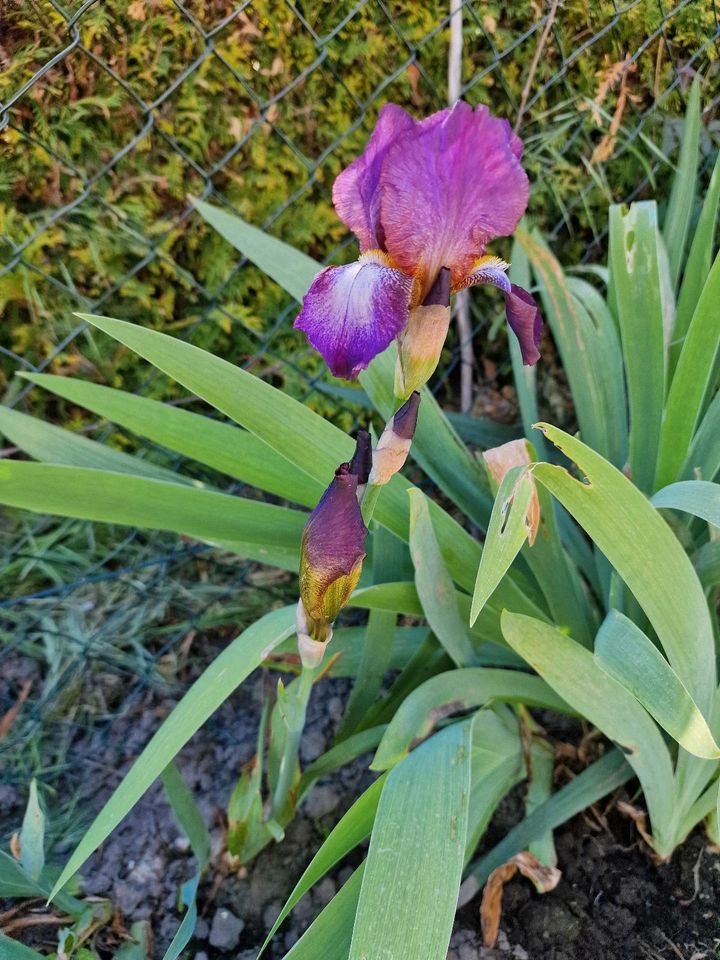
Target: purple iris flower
point(424, 195)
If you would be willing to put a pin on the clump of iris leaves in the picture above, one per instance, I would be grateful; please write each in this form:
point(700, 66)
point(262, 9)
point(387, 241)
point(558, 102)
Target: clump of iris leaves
point(611, 615)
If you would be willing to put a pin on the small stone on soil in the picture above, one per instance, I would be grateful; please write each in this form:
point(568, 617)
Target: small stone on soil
point(226, 930)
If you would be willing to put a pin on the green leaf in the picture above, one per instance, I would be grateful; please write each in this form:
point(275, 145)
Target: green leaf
point(254, 529)
point(704, 456)
point(525, 377)
point(691, 382)
point(627, 655)
point(574, 674)
point(579, 344)
point(329, 935)
point(633, 536)
point(497, 765)
point(610, 372)
point(187, 814)
point(209, 691)
point(635, 282)
point(288, 267)
point(190, 819)
point(507, 532)
point(51, 444)
point(595, 782)
point(699, 497)
point(14, 950)
point(32, 836)
point(698, 265)
point(453, 692)
point(482, 432)
point(222, 446)
point(682, 194)
point(413, 869)
point(434, 584)
point(351, 830)
point(139, 946)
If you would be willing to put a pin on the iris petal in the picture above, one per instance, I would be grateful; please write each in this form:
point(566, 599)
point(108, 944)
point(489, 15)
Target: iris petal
point(489, 270)
point(523, 315)
point(352, 313)
point(448, 186)
point(356, 192)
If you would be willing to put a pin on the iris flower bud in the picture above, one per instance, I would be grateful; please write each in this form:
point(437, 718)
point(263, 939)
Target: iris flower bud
point(421, 342)
point(332, 552)
point(394, 444)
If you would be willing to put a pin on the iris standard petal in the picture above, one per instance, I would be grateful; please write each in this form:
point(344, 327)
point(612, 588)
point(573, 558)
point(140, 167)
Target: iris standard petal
point(351, 314)
point(333, 549)
point(523, 315)
point(356, 193)
point(448, 186)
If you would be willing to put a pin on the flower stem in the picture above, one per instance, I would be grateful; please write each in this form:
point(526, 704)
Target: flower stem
point(295, 719)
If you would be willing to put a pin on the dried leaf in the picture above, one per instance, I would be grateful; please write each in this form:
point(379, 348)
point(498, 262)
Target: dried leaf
point(543, 878)
point(136, 10)
point(7, 720)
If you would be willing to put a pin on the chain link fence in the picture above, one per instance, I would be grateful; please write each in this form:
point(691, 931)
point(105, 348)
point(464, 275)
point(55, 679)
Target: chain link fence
point(112, 114)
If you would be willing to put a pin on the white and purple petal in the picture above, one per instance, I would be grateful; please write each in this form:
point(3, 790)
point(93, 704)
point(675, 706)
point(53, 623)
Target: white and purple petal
point(448, 186)
point(356, 192)
point(523, 316)
point(351, 314)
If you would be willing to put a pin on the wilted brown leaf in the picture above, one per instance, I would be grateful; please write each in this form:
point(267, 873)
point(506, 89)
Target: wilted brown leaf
point(8, 718)
point(136, 10)
point(543, 878)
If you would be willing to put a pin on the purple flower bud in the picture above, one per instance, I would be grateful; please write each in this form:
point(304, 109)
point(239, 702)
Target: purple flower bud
point(394, 444)
point(331, 553)
point(361, 463)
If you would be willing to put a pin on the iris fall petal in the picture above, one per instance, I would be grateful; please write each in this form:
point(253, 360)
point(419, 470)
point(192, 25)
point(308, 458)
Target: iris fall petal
point(352, 313)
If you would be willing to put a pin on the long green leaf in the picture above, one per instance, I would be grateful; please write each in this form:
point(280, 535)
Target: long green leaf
point(648, 557)
point(693, 377)
point(413, 869)
point(573, 673)
point(50, 444)
point(627, 655)
point(257, 530)
point(507, 532)
point(635, 281)
point(351, 830)
point(32, 836)
point(682, 193)
point(698, 265)
point(14, 950)
point(288, 267)
point(699, 497)
point(578, 343)
point(329, 935)
point(704, 456)
point(190, 819)
point(434, 584)
point(209, 691)
point(453, 692)
point(236, 453)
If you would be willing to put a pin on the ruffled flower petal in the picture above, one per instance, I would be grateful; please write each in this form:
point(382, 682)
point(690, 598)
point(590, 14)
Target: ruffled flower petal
point(332, 550)
point(448, 186)
point(523, 315)
point(352, 313)
point(490, 270)
point(356, 193)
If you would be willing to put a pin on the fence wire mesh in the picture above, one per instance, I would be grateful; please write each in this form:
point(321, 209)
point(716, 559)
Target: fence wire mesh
point(113, 114)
